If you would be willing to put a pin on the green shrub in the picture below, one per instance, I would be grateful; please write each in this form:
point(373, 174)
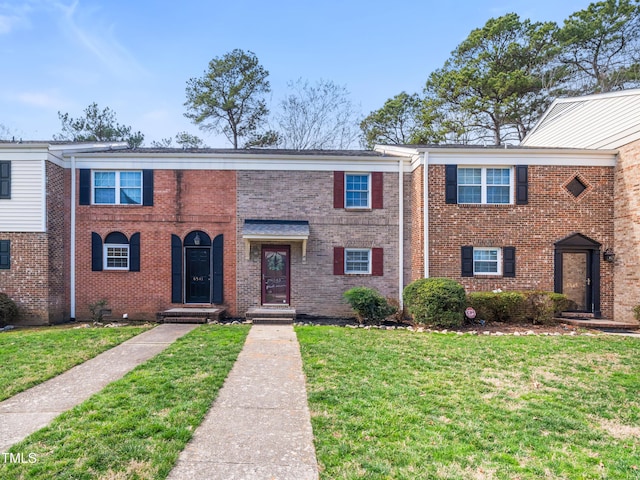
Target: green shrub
point(8, 310)
point(542, 307)
point(369, 305)
point(439, 302)
point(498, 307)
point(518, 307)
point(636, 312)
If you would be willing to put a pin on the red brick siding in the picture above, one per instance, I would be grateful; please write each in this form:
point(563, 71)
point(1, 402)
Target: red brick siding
point(184, 201)
point(551, 215)
point(627, 232)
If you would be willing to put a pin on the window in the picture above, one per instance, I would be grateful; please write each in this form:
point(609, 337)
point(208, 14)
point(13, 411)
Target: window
point(484, 185)
point(5, 179)
point(487, 261)
point(117, 187)
point(5, 254)
point(116, 257)
point(116, 253)
point(357, 192)
point(357, 261)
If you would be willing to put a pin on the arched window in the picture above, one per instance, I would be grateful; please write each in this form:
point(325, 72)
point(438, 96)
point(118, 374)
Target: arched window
point(116, 253)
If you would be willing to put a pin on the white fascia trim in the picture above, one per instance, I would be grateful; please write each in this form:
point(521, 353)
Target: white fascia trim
point(207, 162)
point(288, 238)
point(586, 158)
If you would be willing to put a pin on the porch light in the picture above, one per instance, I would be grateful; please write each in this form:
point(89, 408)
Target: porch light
point(608, 255)
point(196, 239)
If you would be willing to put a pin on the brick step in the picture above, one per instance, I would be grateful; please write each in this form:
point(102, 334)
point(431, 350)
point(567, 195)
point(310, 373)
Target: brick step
point(191, 315)
point(185, 320)
point(272, 321)
point(576, 315)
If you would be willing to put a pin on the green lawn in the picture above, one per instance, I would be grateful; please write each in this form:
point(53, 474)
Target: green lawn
point(402, 405)
point(136, 427)
point(29, 357)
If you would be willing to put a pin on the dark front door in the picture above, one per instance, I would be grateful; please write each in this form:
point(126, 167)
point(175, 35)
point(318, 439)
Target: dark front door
point(275, 275)
point(577, 272)
point(198, 275)
point(576, 279)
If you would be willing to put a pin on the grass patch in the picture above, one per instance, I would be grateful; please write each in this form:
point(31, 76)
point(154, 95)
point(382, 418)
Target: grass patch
point(29, 357)
point(400, 405)
point(137, 426)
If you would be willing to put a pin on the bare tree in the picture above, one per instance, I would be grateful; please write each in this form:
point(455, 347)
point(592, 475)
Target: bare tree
point(317, 116)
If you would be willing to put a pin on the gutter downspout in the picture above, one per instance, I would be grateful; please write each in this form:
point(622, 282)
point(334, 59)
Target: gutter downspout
point(72, 279)
point(400, 230)
point(425, 202)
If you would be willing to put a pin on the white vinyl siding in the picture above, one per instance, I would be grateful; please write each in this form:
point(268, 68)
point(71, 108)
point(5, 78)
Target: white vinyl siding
point(25, 210)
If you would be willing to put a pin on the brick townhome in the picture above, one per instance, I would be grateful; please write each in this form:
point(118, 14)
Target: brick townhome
point(154, 229)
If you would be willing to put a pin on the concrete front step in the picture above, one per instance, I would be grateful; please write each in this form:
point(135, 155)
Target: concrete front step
point(272, 321)
point(598, 323)
point(275, 312)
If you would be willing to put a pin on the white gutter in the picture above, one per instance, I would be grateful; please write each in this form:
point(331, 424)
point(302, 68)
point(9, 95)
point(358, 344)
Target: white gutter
point(72, 279)
point(425, 192)
point(400, 230)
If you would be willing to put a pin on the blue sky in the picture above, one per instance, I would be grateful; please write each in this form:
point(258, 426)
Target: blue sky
point(135, 56)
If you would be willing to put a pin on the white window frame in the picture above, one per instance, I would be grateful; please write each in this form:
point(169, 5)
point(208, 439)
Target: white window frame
point(359, 174)
point(498, 261)
point(483, 184)
point(347, 251)
point(117, 187)
point(106, 257)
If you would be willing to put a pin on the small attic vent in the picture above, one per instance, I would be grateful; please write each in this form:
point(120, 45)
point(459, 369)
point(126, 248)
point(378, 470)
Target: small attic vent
point(575, 187)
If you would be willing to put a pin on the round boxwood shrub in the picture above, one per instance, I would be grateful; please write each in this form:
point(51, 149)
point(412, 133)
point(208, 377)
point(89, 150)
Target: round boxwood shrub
point(438, 302)
point(368, 304)
point(8, 310)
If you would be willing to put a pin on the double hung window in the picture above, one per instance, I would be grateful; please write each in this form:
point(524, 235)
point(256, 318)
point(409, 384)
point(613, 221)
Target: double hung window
point(357, 260)
point(117, 187)
point(485, 185)
point(357, 190)
point(487, 261)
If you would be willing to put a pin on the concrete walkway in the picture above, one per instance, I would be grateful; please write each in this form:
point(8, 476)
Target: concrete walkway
point(259, 426)
point(26, 412)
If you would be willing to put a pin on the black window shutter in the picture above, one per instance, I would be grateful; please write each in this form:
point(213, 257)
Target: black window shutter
point(509, 262)
point(522, 185)
point(134, 252)
point(96, 252)
point(5, 254)
point(467, 261)
point(176, 269)
point(5, 179)
point(218, 280)
point(85, 186)
point(451, 184)
point(147, 187)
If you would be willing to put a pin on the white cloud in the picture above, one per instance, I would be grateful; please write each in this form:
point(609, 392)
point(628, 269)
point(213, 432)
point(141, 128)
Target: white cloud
point(98, 40)
point(44, 99)
point(13, 17)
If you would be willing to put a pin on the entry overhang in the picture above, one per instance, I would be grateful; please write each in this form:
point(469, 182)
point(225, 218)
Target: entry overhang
point(276, 231)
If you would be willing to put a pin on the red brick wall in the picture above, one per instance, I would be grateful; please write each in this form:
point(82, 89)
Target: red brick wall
point(26, 282)
point(627, 232)
point(417, 224)
point(551, 215)
point(58, 232)
point(184, 200)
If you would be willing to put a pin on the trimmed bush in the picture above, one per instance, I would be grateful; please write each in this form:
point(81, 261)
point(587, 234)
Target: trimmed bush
point(369, 305)
point(497, 307)
point(438, 302)
point(8, 310)
point(518, 307)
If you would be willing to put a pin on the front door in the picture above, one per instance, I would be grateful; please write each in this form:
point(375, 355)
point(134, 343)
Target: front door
point(198, 275)
point(275, 275)
point(576, 279)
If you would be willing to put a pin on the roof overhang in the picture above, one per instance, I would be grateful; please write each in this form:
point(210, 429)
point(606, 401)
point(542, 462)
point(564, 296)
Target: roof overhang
point(275, 231)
